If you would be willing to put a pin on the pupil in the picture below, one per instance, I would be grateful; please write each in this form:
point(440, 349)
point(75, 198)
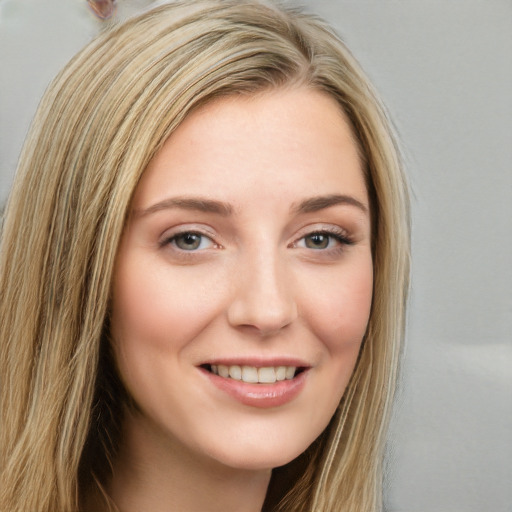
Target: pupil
point(318, 241)
point(189, 241)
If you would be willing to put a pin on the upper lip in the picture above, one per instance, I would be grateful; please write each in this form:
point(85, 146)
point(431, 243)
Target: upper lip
point(258, 362)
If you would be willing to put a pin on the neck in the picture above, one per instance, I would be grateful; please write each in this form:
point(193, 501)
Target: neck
point(155, 474)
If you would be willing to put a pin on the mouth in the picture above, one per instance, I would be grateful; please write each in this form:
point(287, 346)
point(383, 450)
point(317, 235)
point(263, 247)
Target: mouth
point(262, 384)
point(254, 374)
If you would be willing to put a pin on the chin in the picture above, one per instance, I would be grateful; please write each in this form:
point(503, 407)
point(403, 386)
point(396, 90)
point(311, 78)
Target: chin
point(259, 455)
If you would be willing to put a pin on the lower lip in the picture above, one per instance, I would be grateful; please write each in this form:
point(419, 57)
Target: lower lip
point(260, 395)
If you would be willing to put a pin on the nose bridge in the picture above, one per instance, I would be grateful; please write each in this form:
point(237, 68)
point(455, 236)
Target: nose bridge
point(263, 298)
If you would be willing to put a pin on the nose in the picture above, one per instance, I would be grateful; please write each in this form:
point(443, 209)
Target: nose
point(263, 300)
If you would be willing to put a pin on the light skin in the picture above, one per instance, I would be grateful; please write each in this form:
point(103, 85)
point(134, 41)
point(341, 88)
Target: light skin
point(249, 243)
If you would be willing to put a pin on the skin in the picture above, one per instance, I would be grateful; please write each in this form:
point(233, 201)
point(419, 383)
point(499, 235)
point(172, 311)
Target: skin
point(265, 279)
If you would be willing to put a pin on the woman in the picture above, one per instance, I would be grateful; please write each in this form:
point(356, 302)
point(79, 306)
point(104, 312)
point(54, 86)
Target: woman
point(204, 267)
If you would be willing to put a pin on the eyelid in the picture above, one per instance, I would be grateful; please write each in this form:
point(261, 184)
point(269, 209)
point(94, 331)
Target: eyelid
point(337, 232)
point(184, 229)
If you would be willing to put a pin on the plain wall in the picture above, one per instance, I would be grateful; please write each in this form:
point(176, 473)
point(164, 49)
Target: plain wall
point(444, 69)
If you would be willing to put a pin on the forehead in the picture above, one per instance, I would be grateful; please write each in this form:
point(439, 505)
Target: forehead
point(283, 143)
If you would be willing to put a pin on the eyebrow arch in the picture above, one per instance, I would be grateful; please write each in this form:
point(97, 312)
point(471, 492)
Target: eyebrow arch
point(188, 203)
point(315, 204)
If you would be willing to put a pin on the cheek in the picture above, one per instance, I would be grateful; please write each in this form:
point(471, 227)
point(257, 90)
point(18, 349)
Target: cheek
point(339, 308)
point(153, 309)
point(156, 316)
point(338, 315)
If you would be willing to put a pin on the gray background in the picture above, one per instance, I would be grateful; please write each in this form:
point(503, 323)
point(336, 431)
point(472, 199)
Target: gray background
point(444, 69)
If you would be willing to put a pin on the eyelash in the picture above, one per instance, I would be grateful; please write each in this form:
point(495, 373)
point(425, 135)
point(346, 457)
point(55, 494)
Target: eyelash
point(172, 240)
point(338, 235)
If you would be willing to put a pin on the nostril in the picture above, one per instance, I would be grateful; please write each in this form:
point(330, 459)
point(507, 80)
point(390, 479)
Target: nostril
point(262, 321)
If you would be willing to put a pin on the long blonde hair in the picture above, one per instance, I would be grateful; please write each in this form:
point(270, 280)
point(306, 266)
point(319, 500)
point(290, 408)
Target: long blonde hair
point(98, 125)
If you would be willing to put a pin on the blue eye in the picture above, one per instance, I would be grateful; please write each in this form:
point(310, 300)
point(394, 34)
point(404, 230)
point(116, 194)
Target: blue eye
point(190, 241)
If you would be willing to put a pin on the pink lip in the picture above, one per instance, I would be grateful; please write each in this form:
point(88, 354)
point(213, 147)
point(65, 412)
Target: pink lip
point(259, 395)
point(259, 362)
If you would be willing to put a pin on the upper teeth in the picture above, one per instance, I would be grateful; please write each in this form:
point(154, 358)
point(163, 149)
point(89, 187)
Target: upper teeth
point(265, 375)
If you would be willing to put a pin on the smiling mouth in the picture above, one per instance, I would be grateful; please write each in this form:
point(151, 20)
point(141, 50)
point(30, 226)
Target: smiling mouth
point(253, 374)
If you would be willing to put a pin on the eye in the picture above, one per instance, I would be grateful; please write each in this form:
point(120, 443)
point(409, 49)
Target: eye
point(190, 241)
point(317, 241)
point(321, 240)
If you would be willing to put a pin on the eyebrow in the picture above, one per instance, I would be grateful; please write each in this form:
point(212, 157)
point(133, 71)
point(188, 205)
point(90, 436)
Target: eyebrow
point(188, 203)
point(310, 205)
point(315, 204)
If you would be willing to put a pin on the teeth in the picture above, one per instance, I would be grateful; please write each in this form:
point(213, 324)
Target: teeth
point(266, 375)
point(222, 370)
point(251, 374)
point(235, 372)
point(281, 373)
point(290, 372)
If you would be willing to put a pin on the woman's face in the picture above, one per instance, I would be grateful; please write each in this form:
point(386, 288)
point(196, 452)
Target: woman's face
point(244, 279)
